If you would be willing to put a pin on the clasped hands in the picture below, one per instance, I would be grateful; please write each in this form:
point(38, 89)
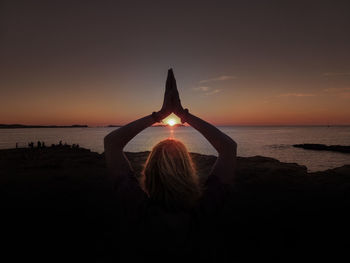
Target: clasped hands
point(171, 102)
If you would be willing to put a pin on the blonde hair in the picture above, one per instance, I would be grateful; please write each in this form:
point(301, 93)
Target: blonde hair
point(169, 175)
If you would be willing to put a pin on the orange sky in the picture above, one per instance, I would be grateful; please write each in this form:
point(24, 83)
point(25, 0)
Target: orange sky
point(236, 63)
point(229, 106)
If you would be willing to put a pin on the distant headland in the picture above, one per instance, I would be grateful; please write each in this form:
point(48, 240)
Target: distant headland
point(21, 126)
point(322, 147)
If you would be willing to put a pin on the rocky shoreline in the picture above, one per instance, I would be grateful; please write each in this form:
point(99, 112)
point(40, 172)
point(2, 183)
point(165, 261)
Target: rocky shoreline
point(67, 161)
point(322, 147)
point(62, 195)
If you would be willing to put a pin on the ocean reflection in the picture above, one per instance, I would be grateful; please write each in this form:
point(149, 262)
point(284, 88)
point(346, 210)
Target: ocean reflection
point(273, 142)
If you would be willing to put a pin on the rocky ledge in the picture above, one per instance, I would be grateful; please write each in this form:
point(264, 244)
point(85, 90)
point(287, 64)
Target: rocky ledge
point(58, 200)
point(81, 165)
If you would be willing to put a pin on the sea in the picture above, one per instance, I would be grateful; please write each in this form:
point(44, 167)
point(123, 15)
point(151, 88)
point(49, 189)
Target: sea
point(270, 141)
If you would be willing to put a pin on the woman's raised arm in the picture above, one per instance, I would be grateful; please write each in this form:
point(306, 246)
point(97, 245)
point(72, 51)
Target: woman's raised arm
point(225, 165)
point(114, 142)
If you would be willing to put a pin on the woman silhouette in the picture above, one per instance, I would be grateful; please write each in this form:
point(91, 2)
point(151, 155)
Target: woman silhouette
point(169, 181)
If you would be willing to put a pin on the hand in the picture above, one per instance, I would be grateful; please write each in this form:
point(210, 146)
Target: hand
point(167, 107)
point(175, 98)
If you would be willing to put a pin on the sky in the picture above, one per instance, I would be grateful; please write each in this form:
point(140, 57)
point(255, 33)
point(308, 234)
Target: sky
point(235, 62)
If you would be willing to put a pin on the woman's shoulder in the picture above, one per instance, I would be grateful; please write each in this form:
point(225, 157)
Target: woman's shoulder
point(214, 185)
point(127, 188)
point(215, 193)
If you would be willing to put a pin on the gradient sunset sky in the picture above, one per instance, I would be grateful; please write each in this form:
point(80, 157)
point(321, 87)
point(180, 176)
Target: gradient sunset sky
point(236, 62)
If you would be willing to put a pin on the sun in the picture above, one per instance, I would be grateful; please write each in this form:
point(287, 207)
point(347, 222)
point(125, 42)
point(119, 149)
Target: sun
point(171, 122)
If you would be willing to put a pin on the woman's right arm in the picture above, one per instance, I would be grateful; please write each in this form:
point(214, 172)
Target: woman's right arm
point(225, 165)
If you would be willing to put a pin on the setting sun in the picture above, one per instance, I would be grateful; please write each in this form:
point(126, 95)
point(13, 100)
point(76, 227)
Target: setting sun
point(171, 122)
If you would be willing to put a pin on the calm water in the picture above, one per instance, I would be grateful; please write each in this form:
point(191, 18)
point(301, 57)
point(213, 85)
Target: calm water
point(266, 141)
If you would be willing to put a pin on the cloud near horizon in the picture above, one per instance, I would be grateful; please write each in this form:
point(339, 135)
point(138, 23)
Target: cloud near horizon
point(220, 78)
point(336, 89)
point(207, 90)
point(343, 93)
point(333, 74)
point(297, 95)
point(210, 91)
point(213, 92)
point(202, 88)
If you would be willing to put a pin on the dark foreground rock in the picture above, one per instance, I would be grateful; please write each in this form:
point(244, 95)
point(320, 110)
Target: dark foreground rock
point(57, 204)
point(322, 147)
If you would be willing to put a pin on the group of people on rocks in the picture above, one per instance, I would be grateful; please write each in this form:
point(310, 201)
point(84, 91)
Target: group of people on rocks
point(31, 145)
point(41, 144)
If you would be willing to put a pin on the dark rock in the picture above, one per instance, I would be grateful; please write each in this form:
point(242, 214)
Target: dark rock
point(63, 196)
point(322, 147)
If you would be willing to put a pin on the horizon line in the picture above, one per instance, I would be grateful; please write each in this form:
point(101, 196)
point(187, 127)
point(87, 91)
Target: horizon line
point(3, 125)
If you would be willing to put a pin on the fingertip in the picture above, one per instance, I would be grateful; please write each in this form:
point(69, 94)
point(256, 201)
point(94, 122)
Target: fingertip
point(170, 72)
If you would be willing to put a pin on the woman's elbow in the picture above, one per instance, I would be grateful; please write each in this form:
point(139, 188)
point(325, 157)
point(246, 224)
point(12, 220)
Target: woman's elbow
point(234, 145)
point(230, 147)
point(106, 139)
point(111, 141)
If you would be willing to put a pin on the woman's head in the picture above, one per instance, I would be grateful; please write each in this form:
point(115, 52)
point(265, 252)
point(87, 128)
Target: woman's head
point(169, 175)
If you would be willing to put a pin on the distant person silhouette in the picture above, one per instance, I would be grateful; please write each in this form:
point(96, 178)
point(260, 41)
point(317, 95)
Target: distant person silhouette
point(39, 144)
point(163, 199)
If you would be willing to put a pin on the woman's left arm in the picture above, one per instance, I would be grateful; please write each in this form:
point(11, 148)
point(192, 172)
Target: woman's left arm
point(114, 142)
